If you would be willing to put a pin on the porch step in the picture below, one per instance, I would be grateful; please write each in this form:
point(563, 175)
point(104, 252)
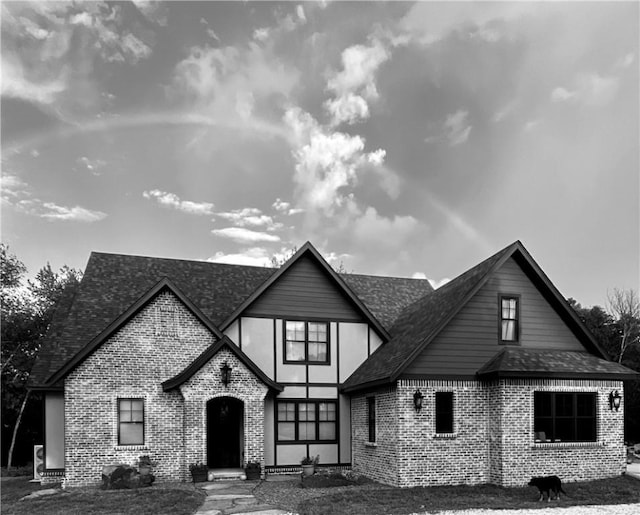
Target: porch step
point(232, 474)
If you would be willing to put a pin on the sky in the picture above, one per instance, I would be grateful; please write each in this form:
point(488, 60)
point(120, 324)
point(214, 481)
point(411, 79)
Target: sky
point(405, 139)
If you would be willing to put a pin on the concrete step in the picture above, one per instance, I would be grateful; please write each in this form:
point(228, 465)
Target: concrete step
point(234, 474)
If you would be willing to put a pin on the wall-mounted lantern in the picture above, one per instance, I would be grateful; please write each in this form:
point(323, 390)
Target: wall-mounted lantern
point(225, 374)
point(614, 400)
point(417, 400)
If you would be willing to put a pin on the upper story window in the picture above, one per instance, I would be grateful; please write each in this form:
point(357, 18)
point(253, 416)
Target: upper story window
point(509, 318)
point(130, 421)
point(564, 417)
point(306, 342)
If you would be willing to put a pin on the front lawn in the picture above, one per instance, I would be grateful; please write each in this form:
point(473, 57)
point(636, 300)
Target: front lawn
point(376, 499)
point(174, 498)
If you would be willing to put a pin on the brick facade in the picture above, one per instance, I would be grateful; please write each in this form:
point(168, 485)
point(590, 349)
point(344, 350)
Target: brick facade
point(492, 439)
point(153, 346)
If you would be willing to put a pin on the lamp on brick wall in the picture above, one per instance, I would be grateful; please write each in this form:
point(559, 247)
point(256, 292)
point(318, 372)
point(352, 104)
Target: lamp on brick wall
point(417, 400)
point(225, 374)
point(614, 400)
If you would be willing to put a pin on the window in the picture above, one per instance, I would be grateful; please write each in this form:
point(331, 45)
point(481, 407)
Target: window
point(130, 421)
point(304, 421)
point(564, 417)
point(509, 316)
point(444, 412)
point(307, 342)
point(371, 413)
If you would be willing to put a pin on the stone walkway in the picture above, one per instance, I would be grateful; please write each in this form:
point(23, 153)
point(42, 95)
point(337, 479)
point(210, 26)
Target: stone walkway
point(227, 497)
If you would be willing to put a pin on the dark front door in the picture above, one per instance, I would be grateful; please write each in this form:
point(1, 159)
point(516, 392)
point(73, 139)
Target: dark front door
point(224, 432)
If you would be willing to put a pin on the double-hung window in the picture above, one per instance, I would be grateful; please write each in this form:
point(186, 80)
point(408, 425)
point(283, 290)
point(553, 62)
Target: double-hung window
point(306, 342)
point(564, 416)
point(509, 318)
point(130, 421)
point(306, 421)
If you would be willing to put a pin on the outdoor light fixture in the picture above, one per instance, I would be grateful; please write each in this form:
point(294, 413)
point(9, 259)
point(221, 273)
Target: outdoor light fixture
point(225, 374)
point(614, 400)
point(417, 400)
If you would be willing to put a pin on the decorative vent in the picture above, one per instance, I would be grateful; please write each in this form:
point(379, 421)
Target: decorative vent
point(167, 322)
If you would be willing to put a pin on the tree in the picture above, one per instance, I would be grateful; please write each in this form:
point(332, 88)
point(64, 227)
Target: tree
point(624, 306)
point(27, 312)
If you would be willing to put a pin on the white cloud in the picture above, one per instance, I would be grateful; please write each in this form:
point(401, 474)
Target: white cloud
point(592, 90)
point(155, 12)
point(370, 227)
point(255, 256)
point(250, 217)
point(93, 165)
point(300, 13)
point(53, 212)
point(12, 186)
point(435, 284)
point(355, 84)
point(285, 208)
point(173, 201)
point(16, 83)
point(327, 162)
point(626, 61)
point(457, 127)
point(242, 235)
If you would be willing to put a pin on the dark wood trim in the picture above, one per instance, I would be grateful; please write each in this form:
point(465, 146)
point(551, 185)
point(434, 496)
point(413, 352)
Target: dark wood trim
point(306, 361)
point(518, 319)
point(144, 421)
point(275, 349)
point(240, 332)
point(307, 248)
point(317, 421)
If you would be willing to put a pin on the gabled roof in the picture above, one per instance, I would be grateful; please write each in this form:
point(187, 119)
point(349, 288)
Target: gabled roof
point(536, 363)
point(112, 283)
point(164, 284)
point(307, 248)
point(209, 353)
point(423, 320)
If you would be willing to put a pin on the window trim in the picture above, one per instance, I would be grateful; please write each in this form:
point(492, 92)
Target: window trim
point(517, 319)
point(306, 360)
point(576, 419)
point(437, 413)
point(119, 422)
point(371, 419)
point(297, 420)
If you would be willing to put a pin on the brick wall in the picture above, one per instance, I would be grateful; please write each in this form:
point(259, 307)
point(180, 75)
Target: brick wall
point(155, 345)
point(377, 460)
point(493, 438)
point(205, 385)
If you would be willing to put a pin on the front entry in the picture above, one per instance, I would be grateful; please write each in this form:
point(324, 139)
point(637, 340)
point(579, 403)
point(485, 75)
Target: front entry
point(225, 432)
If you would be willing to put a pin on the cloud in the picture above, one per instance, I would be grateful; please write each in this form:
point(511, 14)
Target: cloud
point(155, 12)
point(54, 212)
point(626, 61)
point(39, 63)
point(370, 227)
point(210, 32)
point(255, 256)
point(232, 82)
point(355, 84)
point(172, 200)
point(327, 162)
point(457, 127)
point(592, 90)
point(93, 165)
point(285, 207)
point(242, 235)
point(250, 217)
point(12, 187)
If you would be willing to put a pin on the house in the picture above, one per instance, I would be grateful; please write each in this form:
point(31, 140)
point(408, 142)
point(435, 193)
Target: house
point(489, 379)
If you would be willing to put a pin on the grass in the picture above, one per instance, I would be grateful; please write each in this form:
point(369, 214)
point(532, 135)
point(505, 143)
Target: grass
point(324, 498)
point(174, 498)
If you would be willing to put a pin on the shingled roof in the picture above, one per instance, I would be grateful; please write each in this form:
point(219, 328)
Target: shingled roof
point(537, 363)
point(420, 322)
point(112, 283)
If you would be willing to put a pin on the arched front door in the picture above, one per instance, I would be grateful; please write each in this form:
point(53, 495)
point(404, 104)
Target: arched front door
point(225, 432)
